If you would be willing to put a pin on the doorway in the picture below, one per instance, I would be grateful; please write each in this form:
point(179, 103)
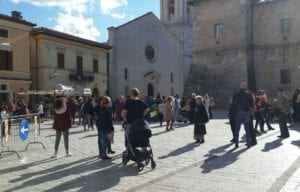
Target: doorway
point(150, 90)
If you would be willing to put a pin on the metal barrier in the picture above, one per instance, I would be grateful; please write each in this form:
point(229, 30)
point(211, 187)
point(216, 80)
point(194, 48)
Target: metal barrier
point(18, 130)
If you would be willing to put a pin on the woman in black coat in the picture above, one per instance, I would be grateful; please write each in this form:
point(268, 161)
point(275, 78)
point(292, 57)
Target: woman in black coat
point(200, 119)
point(104, 126)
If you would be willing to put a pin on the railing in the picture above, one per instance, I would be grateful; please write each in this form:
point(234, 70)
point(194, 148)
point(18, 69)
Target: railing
point(19, 130)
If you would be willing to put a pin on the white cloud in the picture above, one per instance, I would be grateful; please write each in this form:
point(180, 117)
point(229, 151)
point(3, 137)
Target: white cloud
point(72, 19)
point(77, 25)
point(107, 7)
point(118, 15)
point(80, 6)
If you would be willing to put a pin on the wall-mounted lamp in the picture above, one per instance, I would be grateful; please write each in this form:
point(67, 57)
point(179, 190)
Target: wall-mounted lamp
point(54, 74)
point(5, 46)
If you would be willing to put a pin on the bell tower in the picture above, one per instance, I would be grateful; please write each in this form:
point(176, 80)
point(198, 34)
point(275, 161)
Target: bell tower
point(175, 11)
point(177, 15)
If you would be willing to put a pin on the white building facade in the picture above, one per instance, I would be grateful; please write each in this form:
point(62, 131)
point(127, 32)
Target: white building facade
point(151, 54)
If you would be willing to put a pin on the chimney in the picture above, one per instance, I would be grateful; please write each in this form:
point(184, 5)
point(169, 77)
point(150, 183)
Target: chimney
point(16, 15)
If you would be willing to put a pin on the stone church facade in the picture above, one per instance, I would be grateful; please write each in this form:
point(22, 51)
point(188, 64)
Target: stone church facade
point(151, 54)
point(208, 46)
point(244, 40)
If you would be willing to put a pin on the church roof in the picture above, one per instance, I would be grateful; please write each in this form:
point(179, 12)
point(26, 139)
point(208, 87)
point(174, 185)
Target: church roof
point(145, 15)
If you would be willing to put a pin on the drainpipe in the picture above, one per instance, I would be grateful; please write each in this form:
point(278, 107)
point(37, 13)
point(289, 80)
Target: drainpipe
point(107, 72)
point(36, 63)
point(250, 45)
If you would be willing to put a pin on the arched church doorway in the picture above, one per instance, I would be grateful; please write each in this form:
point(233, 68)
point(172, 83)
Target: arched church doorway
point(150, 89)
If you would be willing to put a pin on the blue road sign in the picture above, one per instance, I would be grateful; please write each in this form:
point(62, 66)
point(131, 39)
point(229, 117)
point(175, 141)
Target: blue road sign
point(24, 129)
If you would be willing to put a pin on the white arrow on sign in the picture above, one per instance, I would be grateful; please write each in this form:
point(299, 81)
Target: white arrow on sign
point(23, 129)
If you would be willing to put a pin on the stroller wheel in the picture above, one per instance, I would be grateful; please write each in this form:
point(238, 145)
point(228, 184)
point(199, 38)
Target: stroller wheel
point(153, 164)
point(147, 161)
point(140, 167)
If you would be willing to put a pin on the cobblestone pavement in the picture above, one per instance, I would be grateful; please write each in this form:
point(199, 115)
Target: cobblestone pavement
point(270, 166)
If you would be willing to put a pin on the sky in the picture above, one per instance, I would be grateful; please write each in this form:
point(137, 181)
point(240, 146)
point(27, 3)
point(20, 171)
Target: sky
point(84, 18)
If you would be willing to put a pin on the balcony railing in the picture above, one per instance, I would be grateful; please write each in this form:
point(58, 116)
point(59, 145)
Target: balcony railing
point(81, 77)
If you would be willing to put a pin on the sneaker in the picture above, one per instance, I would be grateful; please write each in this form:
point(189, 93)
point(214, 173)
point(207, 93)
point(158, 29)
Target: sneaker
point(68, 155)
point(105, 157)
point(53, 156)
point(172, 129)
point(271, 128)
point(111, 152)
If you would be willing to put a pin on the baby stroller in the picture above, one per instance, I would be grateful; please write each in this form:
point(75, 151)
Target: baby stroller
point(138, 148)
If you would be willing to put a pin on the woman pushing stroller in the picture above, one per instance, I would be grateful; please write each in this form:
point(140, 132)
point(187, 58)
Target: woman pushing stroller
point(134, 109)
point(136, 128)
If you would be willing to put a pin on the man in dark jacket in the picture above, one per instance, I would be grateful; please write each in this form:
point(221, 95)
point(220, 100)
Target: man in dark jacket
point(243, 102)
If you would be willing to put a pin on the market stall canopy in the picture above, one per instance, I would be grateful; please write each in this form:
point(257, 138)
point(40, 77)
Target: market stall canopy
point(62, 90)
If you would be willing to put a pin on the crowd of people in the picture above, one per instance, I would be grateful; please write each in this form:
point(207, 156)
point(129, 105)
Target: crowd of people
point(102, 113)
point(247, 106)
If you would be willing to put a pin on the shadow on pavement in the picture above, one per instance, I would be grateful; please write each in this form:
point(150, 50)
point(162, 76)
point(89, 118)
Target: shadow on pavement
point(221, 149)
point(103, 175)
point(294, 126)
point(272, 145)
point(88, 136)
point(214, 161)
point(179, 151)
point(297, 143)
point(26, 166)
point(71, 132)
point(164, 129)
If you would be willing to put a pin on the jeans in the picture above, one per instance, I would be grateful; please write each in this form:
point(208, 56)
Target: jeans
point(175, 114)
point(102, 142)
point(265, 117)
point(242, 116)
point(282, 120)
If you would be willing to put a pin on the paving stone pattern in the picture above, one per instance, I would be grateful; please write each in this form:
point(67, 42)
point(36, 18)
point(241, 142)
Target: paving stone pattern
point(270, 166)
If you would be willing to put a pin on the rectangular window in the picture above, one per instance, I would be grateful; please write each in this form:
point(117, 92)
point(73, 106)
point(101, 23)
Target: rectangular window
point(218, 31)
point(285, 76)
point(4, 98)
point(61, 60)
point(285, 26)
point(79, 65)
point(3, 87)
point(95, 66)
point(6, 60)
point(4, 33)
point(126, 74)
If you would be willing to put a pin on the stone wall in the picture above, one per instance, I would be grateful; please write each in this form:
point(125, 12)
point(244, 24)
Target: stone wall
point(219, 64)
